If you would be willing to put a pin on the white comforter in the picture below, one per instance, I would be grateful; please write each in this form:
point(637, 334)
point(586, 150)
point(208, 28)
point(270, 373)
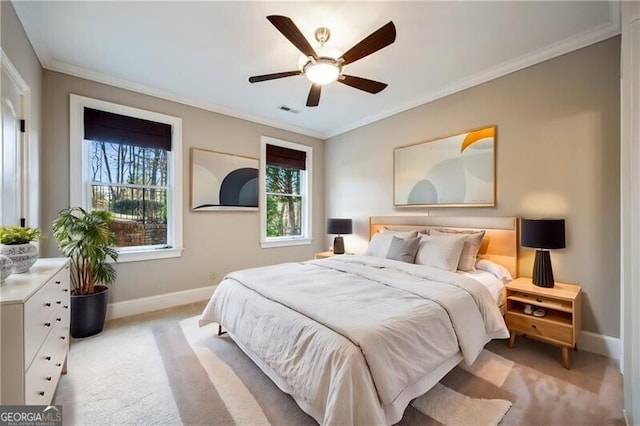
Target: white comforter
point(349, 334)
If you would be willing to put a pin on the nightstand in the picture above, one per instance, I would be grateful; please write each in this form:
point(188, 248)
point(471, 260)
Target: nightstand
point(324, 254)
point(562, 320)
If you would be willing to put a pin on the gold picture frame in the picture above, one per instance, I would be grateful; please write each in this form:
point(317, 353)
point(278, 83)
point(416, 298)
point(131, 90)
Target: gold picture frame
point(458, 170)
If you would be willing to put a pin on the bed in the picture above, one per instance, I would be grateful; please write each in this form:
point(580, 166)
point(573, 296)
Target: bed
point(346, 336)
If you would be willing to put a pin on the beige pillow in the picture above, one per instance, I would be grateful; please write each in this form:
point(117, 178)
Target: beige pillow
point(381, 241)
point(471, 247)
point(440, 251)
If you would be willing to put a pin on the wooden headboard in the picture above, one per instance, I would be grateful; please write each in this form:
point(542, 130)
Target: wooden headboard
point(500, 242)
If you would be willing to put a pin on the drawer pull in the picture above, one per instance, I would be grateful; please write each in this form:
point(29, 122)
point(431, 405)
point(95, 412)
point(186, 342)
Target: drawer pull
point(58, 319)
point(58, 282)
point(66, 306)
point(47, 324)
point(533, 326)
point(48, 305)
point(48, 358)
point(48, 379)
point(59, 302)
point(58, 364)
point(63, 337)
point(41, 393)
point(538, 300)
point(65, 289)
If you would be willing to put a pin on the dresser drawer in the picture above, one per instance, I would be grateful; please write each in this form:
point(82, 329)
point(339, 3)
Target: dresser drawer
point(536, 327)
point(43, 310)
point(39, 312)
point(42, 376)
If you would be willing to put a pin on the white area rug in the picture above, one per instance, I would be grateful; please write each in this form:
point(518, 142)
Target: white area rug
point(455, 409)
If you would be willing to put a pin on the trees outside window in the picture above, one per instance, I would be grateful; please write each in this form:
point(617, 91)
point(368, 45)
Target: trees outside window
point(285, 197)
point(131, 182)
point(284, 202)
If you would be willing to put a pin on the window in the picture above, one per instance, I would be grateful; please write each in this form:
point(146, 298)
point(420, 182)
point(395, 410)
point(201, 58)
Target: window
point(285, 193)
point(128, 161)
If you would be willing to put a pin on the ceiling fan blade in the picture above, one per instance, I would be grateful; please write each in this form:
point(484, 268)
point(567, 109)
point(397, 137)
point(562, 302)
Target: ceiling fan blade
point(314, 95)
point(292, 33)
point(367, 85)
point(265, 77)
point(375, 41)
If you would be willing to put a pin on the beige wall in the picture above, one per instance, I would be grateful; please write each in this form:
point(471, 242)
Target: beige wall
point(216, 242)
point(19, 51)
point(557, 156)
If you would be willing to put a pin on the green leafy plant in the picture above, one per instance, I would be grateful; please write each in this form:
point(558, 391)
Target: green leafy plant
point(10, 235)
point(88, 241)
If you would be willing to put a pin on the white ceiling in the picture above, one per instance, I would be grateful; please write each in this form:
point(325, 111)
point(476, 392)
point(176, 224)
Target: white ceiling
point(202, 53)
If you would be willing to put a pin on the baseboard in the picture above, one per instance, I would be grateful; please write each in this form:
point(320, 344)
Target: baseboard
point(601, 344)
point(155, 303)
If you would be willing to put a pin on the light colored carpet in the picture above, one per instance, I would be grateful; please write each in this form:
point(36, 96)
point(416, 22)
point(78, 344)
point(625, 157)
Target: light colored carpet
point(160, 368)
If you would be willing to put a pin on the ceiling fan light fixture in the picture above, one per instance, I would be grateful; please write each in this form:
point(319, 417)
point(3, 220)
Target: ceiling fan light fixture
point(322, 71)
point(323, 65)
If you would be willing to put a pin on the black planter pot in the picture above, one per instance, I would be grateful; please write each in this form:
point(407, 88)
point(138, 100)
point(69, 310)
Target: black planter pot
point(88, 312)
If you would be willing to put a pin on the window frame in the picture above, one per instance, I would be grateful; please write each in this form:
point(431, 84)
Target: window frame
point(80, 164)
point(306, 185)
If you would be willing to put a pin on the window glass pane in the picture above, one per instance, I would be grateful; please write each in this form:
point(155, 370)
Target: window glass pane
point(281, 180)
point(284, 215)
point(131, 183)
point(118, 163)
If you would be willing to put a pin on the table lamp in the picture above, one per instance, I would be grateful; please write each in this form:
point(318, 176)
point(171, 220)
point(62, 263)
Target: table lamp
point(543, 235)
point(339, 227)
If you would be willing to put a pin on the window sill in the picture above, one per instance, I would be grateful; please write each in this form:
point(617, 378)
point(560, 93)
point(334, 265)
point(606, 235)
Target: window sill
point(153, 254)
point(285, 242)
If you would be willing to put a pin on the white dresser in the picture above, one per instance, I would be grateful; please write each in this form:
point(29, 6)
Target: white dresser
point(34, 332)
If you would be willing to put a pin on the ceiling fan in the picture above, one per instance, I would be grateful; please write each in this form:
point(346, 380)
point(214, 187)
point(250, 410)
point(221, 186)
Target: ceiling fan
point(325, 65)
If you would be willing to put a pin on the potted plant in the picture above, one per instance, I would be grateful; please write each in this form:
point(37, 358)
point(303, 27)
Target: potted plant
point(16, 245)
point(88, 241)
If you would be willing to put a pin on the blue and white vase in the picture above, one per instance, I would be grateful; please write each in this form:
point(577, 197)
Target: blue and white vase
point(23, 256)
point(6, 267)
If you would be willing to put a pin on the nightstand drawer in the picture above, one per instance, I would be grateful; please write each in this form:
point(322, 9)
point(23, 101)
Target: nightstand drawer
point(538, 327)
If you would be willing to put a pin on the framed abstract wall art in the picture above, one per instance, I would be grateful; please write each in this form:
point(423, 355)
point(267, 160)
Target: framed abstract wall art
point(453, 171)
point(221, 181)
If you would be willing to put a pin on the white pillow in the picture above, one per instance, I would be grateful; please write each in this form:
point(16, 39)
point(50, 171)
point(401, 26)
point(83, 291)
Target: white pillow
point(442, 251)
point(496, 269)
point(381, 241)
point(471, 247)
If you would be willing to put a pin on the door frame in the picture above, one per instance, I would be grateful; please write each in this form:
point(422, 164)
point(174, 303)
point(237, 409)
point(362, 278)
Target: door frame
point(25, 148)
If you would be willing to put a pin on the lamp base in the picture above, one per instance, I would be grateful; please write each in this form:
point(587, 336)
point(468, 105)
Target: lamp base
point(338, 245)
point(542, 271)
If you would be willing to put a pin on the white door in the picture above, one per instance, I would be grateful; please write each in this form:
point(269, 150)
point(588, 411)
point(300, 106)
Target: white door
point(11, 155)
